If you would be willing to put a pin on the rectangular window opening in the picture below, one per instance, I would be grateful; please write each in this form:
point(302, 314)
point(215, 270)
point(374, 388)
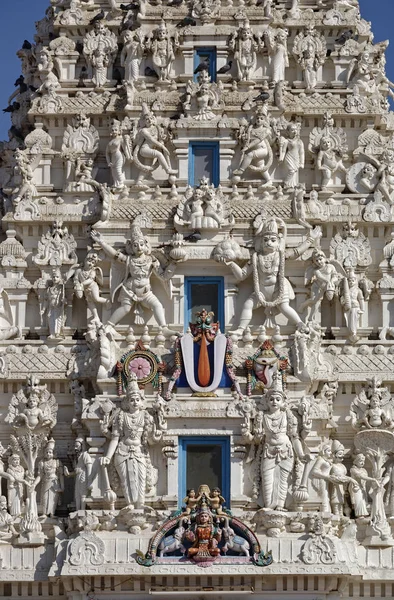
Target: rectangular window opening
point(205, 55)
point(203, 162)
point(204, 292)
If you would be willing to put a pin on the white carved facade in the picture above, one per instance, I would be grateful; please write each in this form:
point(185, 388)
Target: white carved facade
point(156, 146)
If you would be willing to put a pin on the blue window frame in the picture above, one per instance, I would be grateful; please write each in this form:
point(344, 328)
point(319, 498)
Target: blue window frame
point(204, 292)
point(203, 162)
point(206, 54)
point(212, 457)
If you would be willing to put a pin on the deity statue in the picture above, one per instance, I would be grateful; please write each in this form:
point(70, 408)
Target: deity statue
point(256, 140)
point(244, 48)
point(276, 428)
point(207, 11)
point(322, 278)
point(88, 277)
point(352, 299)
point(133, 278)
point(328, 161)
point(7, 529)
point(351, 248)
point(100, 47)
point(132, 429)
point(132, 53)
point(80, 144)
point(329, 478)
point(271, 289)
point(276, 42)
point(117, 152)
point(205, 536)
point(310, 50)
point(372, 408)
point(56, 247)
point(202, 97)
point(16, 481)
point(8, 329)
point(150, 143)
point(362, 74)
point(53, 305)
point(23, 174)
point(329, 145)
point(292, 154)
point(359, 491)
point(163, 48)
point(50, 475)
point(204, 207)
point(82, 463)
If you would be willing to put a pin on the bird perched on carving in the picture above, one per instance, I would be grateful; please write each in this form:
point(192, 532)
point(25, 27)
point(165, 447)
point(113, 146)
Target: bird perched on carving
point(26, 45)
point(225, 69)
point(193, 237)
point(130, 6)
point(149, 72)
point(19, 81)
point(99, 17)
point(12, 107)
point(203, 66)
point(175, 3)
point(187, 21)
point(345, 36)
point(262, 97)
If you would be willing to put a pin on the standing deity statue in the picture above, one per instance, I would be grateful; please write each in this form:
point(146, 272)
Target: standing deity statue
point(50, 475)
point(132, 53)
point(276, 42)
point(322, 278)
point(352, 300)
point(23, 177)
point(132, 429)
point(53, 305)
point(100, 47)
point(133, 277)
point(359, 491)
point(244, 48)
point(16, 482)
point(82, 463)
point(88, 277)
point(310, 50)
point(278, 431)
point(292, 154)
point(117, 152)
point(163, 48)
point(329, 144)
point(256, 140)
point(271, 289)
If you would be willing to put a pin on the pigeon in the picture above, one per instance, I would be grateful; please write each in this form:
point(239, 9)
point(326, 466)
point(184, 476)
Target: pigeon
point(10, 109)
point(328, 53)
point(19, 81)
point(15, 132)
point(262, 97)
point(130, 6)
point(117, 75)
point(203, 66)
point(32, 88)
point(344, 37)
point(193, 237)
point(99, 17)
point(175, 117)
point(151, 73)
point(26, 45)
point(225, 68)
point(175, 3)
point(187, 21)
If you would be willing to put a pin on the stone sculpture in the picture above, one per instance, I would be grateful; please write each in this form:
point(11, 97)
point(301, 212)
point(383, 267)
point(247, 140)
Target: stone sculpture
point(310, 50)
point(88, 277)
point(52, 307)
point(256, 140)
point(80, 145)
point(51, 479)
point(204, 207)
point(132, 53)
point(292, 154)
point(163, 48)
point(244, 48)
point(100, 47)
point(276, 42)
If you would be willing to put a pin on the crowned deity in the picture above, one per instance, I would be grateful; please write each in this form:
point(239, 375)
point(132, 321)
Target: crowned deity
point(163, 48)
point(132, 429)
point(256, 140)
point(133, 278)
point(267, 265)
point(244, 47)
point(205, 536)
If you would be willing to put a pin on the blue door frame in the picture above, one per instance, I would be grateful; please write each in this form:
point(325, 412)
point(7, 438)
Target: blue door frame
point(215, 162)
point(184, 443)
point(219, 281)
point(202, 52)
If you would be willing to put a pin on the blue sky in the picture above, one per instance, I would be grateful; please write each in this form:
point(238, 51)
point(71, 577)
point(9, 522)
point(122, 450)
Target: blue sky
point(18, 18)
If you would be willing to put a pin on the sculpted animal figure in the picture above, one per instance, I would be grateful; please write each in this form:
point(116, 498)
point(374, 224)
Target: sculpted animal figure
point(171, 543)
point(234, 542)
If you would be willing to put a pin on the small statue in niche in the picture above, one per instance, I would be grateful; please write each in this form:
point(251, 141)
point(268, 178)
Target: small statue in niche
point(132, 428)
point(23, 174)
point(132, 53)
point(82, 463)
point(7, 328)
point(329, 145)
point(276, 42)
point(322, 277)
point(88, 278)
point(51, 477)
point(204, 207)
point(363, 75)
point(207, 11)
point(292, 154)
point(372, 408)
point(256, 140)
point(163, 48)
point(53, 305)
point(117, 152)
point(271, 289)
point(203, 96)
point(133, 277)
point(352, 297)
point(56, 247)
point(351, 248)
point(80, 144)
point(205, 536)
point(310, 50)
point(339, 479)
point(244, 48)
point(100, 47)
point(358, 488)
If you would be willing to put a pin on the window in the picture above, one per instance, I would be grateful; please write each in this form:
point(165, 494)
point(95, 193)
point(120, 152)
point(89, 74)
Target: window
point(203, 162)
point(204, 460)
point(206, 55)
point(204, 292)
